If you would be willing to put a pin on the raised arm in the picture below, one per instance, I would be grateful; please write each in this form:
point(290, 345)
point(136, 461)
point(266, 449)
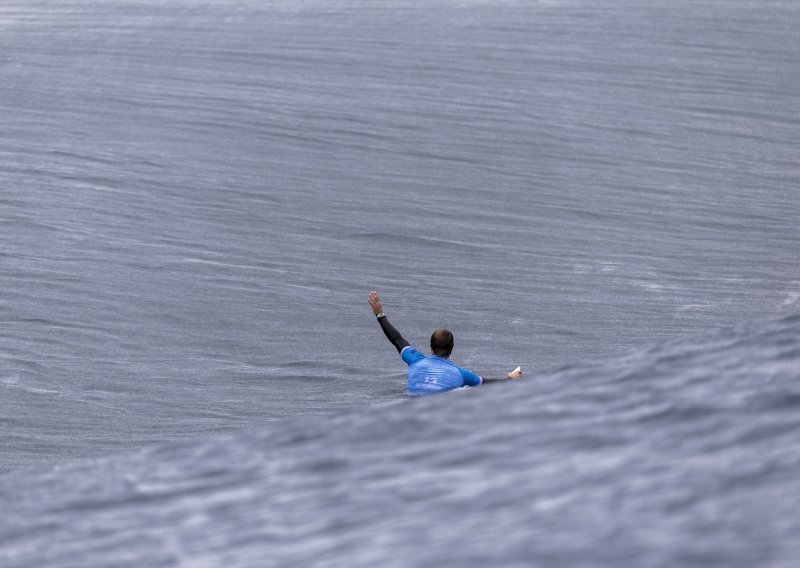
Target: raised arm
point(388, 329)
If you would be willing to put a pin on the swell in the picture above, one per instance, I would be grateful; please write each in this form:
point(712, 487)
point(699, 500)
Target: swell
point(691, 438)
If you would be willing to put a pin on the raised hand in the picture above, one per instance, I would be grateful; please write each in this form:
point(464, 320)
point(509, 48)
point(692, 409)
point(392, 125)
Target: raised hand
point(375, 302)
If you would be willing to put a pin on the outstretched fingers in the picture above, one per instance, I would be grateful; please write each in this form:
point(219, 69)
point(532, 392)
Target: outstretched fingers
point(375, 302)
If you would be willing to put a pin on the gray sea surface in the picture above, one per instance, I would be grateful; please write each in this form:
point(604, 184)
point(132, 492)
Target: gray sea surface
point(196, 197)
point(684, 453)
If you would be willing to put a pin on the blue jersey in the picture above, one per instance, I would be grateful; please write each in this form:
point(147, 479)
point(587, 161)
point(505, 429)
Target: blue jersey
point(434, 374)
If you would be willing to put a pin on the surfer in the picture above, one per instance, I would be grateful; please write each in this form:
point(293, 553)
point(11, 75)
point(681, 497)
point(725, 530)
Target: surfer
point(434, 373)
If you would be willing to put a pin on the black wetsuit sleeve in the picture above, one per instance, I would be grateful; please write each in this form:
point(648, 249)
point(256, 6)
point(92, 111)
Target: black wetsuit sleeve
point(392, 334)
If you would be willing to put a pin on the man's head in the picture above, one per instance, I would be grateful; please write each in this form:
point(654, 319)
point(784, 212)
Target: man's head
point(442, 342)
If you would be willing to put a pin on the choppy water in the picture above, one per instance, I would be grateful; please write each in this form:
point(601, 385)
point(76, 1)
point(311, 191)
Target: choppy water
point(682, 454)
point(195, 198)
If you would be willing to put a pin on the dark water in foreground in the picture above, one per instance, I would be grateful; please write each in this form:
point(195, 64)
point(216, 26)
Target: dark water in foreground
point(682, 454)
point(195, 198)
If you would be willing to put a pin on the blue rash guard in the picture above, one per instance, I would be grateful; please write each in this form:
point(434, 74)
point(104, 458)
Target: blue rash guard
point(427, 375)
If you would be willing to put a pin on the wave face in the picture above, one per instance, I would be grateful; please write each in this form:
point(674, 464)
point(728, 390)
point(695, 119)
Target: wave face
point(196, 196)
point(686, 453)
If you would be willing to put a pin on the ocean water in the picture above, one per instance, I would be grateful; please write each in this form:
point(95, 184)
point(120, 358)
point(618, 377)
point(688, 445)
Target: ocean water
point(685, 453)
point(196, 197)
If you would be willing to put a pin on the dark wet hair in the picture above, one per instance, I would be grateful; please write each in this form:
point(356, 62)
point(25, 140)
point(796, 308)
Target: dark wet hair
point(442, 342)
